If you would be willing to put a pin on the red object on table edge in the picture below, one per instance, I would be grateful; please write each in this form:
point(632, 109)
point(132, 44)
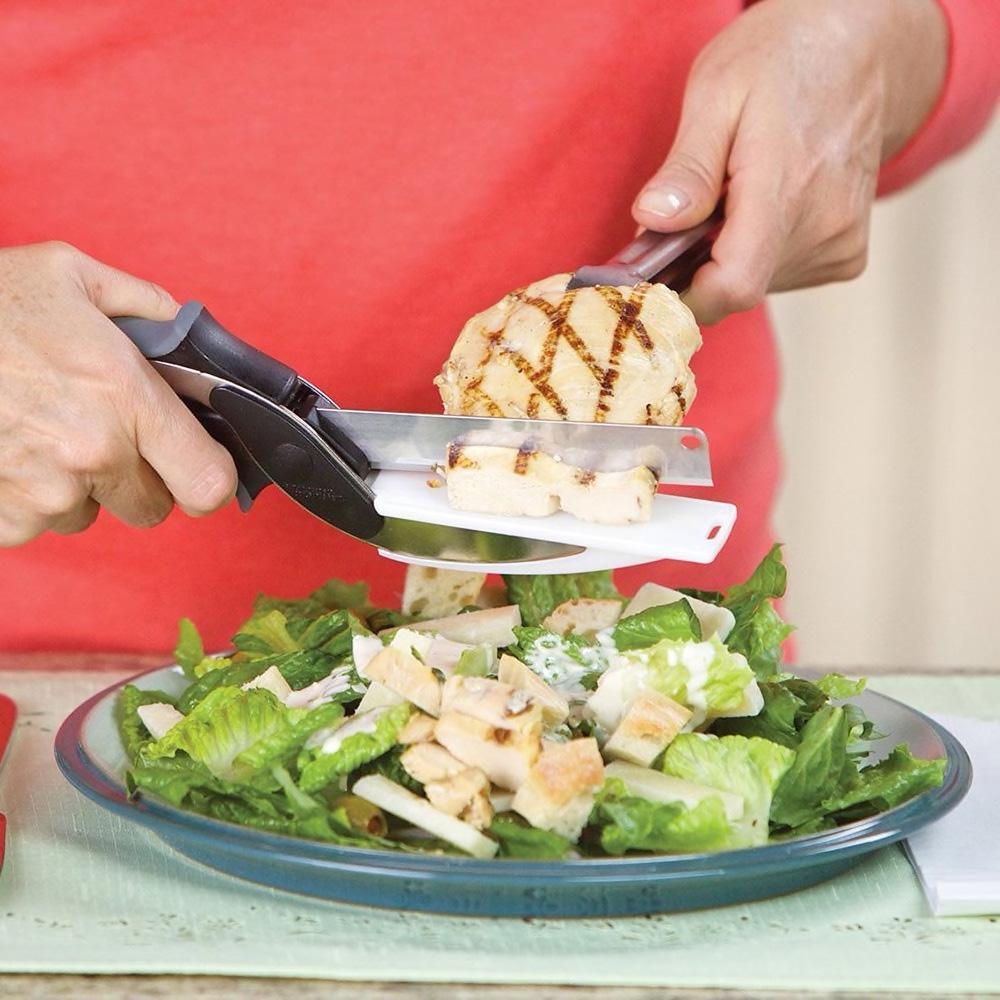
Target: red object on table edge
point(8, 716)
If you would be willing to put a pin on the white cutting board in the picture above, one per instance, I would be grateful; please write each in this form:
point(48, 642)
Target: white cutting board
point(681, 528)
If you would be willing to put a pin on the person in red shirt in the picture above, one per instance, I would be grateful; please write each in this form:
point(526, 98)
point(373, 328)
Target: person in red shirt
point(344, 184)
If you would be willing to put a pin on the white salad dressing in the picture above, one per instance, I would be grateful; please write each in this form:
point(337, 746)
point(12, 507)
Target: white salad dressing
point(322, 691)
point(559, 664)
point(364, 723)
point(696, 658)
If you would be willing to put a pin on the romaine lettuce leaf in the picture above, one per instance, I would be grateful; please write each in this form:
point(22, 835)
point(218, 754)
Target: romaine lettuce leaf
point(838, 687)
point(285, 742)
point(334, 595)
point(630, 823)
point(822, 769)
point(190, 650)
point(887, 784)
point(705, 676)
point(209, 663)
point(174, 778)
point(775, 722)
point(134, 734)
point(517, 840)
point(749, 767)
point(265, 633)
point(220, 727)
point(357, 749)
point(477, 661)
point(759, 630)
point(300, 668)
point(539, 596)
point(664, 621)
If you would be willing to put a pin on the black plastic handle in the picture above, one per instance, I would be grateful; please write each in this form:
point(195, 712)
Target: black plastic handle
point(291, 453)
point(258, 413)
point(195, 339)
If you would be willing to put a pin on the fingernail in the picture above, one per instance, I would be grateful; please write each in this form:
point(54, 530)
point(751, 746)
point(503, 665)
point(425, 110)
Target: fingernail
point(662, 201)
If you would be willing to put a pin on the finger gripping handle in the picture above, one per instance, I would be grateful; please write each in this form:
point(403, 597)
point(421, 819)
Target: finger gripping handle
point(195, 339)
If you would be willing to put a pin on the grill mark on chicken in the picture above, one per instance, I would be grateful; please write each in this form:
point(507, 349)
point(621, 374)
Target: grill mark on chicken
point(523, 460)
point(627, 307)
point(585, 476)
point(474, 392)
point(457, 459)
point(678, 390)
point(628, 322)
point(561, 328)
point(538, 380)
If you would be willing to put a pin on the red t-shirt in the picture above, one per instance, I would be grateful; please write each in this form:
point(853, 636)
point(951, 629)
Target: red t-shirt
point(343, 184)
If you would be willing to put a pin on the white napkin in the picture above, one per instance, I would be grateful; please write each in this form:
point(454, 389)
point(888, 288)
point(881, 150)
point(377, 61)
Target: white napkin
point(958, 857)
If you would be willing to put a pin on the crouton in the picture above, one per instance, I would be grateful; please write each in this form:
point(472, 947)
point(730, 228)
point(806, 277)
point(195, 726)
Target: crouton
point(583, 616)
point(434, 593)
point(558, 792)
point(648, 725)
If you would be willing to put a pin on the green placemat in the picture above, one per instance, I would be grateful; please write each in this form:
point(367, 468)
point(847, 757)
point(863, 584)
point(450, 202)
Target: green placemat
point(86, 892)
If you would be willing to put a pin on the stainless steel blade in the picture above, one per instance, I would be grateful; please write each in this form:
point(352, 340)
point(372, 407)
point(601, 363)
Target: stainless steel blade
point(411, 442)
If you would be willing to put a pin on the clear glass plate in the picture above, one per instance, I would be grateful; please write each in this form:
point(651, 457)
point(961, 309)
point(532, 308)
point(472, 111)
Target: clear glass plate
point(90, 755)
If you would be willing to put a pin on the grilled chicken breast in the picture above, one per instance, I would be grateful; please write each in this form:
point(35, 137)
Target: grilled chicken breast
point(619, 355)
point(616, 355)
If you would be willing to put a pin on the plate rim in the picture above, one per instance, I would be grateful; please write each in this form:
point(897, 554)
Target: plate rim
point(88, 777)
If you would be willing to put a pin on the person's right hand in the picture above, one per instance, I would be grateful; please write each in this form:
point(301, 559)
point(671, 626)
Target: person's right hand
point(85, 421)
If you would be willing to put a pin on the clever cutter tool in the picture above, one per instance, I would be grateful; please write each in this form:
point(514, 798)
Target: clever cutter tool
point(367, 473)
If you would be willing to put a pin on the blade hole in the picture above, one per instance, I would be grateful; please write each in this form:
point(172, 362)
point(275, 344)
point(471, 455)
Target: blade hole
point(713, 531)
point(691, 442)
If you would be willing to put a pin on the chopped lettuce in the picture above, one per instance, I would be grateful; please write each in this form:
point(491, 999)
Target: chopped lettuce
point(539, 596)
point(357, 749)
point(759, 630)
point(226, 722)
point(824, 785)
point(630, 823)
point(705, 676)
point(334, 595)
point(664, 621)
point(209, 663)
point(300, 668)
point(518, 840)
point(134, 734)
point(885, 785)
point(749, 767)
point(776, 721)
point(478, 661)
point(285, 742)
point(838, 687)
point(560, 660)
point(245, 757)
point(190, 650)
point(266, 633)
point(822, 769)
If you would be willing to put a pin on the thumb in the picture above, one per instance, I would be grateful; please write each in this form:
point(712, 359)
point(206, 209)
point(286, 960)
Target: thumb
point(117, 293)
point(687, 187)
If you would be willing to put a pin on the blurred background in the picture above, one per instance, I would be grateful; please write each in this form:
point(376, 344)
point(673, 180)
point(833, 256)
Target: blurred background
point(890, 418)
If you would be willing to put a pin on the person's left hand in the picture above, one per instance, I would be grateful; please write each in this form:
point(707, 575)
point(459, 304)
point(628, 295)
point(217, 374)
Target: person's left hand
point(797, 103)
